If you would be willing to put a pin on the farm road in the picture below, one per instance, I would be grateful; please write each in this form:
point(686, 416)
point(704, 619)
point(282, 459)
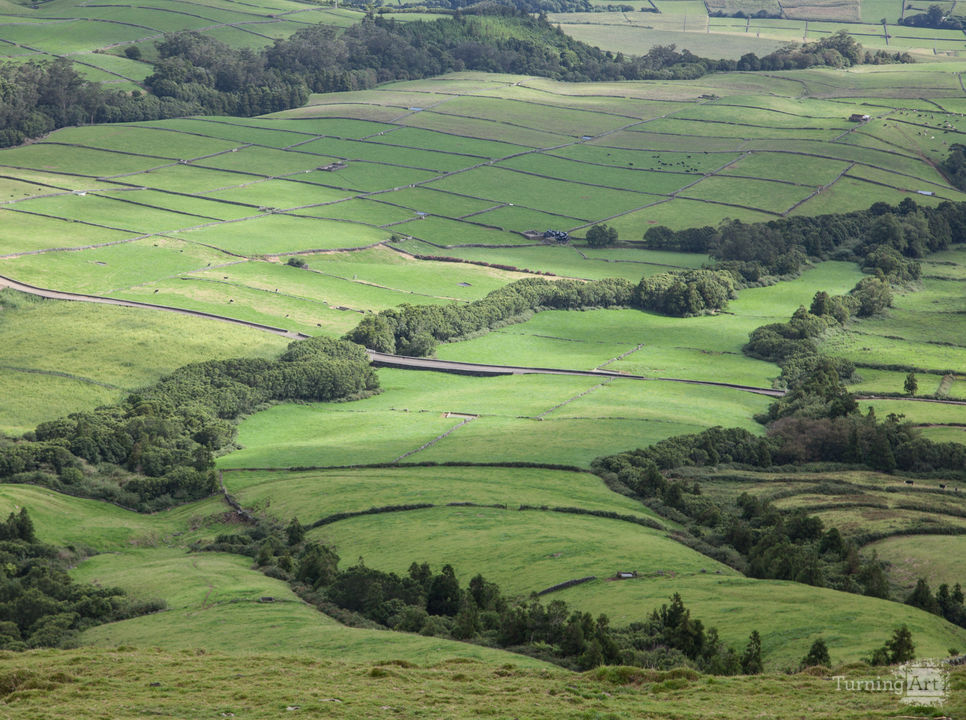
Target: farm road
point(414, 363)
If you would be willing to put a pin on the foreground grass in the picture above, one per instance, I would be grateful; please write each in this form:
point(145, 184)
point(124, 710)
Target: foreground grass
point(127, 682)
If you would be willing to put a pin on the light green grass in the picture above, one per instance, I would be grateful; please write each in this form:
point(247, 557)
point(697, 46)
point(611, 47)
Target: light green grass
point(537, 549)
point(312, 495)
point(213, 604)
point(270, 234)
point(26, 233)
point(789, 616)
point(82, 339)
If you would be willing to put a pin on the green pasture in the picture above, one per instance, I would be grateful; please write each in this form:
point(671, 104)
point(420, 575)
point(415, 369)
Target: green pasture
point(280, 194)
point(789, 616)
point(772, 166)
point(643, 139)
point(387, 153)
point(546, 194)
point(23, 232)
point(235, 130)
point(271, 234)
point(625, 178)
point(292, 282)
point(125, 138)
point(370, 177)
point(915, 411)
point(537, 549)
point(445, 142)
point(436, 202)
point(518, 114)
point(758, 194)
point(699, 162)
point(213, 603)
point(360, 210)
point(110, 211)
point(565, 440)
point(484, 129)
point(103, 269)
point(106, 528)
point(53, 158)
point(937, 558)
point(314, 435)
point(518, 219)
point(189, 179)
point(443, 232)
point(267, 161)
point(386, 268)
point(872, 380)
point(81, 341)
point(681, 213)
point(241, 302)
point(550, 258)
point(312, 495)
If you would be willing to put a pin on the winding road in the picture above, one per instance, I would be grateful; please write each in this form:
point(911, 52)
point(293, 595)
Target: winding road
point(380, 359)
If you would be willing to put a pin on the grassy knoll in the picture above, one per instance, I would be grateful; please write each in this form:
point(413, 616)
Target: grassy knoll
point(789, 616)
point(81, 346)
point(312, 495)
point(88, 683)
point(537, 549)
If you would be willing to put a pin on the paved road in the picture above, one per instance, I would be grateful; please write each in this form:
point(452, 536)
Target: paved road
point(6, 282)
point(416, 363)
point(465, 368)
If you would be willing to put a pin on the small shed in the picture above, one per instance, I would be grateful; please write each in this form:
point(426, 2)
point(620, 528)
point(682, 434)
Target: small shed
point(859, 117)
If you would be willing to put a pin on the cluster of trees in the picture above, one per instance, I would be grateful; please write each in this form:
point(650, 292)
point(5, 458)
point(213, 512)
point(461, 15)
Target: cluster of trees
point(416, 329)
point(39, 96)
point(157, 447)
point(601, 236)
point(435, 604)
point(838, 50)
point(946, 603)
point(687, 293)
point(932, 18)
point(886, 240)
point(527, 6)
point(954, 166)
point(40, 606)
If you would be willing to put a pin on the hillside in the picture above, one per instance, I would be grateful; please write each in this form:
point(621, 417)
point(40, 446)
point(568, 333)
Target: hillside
point(131, 250)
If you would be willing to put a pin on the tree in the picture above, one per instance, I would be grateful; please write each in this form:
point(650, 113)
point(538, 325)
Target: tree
point(817, 655)
point(911, 385)
point(922, 597)
point(601, 236)
point(295, 532)
point(751, 659)
point(900, 648)
point(444, 593)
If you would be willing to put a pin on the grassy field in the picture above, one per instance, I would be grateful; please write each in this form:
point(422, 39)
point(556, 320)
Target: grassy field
point(497, 156)
point(88, 683)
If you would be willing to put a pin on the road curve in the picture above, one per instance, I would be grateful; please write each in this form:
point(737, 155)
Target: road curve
point(414, 363)
point(464, 368)
point(6, 282)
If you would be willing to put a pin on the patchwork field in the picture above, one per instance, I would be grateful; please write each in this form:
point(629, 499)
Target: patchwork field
point(421, 193)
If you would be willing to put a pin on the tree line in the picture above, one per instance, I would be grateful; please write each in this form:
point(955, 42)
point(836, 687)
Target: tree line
point(40, 605)
point(197, 74)
point(435, 604)
point(886, 240)
point(157, 447)
point(416, 330)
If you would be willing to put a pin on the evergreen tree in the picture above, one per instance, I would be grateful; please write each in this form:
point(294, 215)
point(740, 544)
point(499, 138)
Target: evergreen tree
point(751, 658)
point(911, 385)
point(817, 655)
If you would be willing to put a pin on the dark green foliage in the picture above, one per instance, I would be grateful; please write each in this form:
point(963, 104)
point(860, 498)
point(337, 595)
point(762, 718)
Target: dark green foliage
point(922, 598)
point(166, 434)
point(932, 18)
point(751, 658)
point(39, 96)
point(40, 606)
point(817, 655)
point(911, 385)
point(687, 293)
point(898, 649)
point(601, 236)
point(415, 329)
